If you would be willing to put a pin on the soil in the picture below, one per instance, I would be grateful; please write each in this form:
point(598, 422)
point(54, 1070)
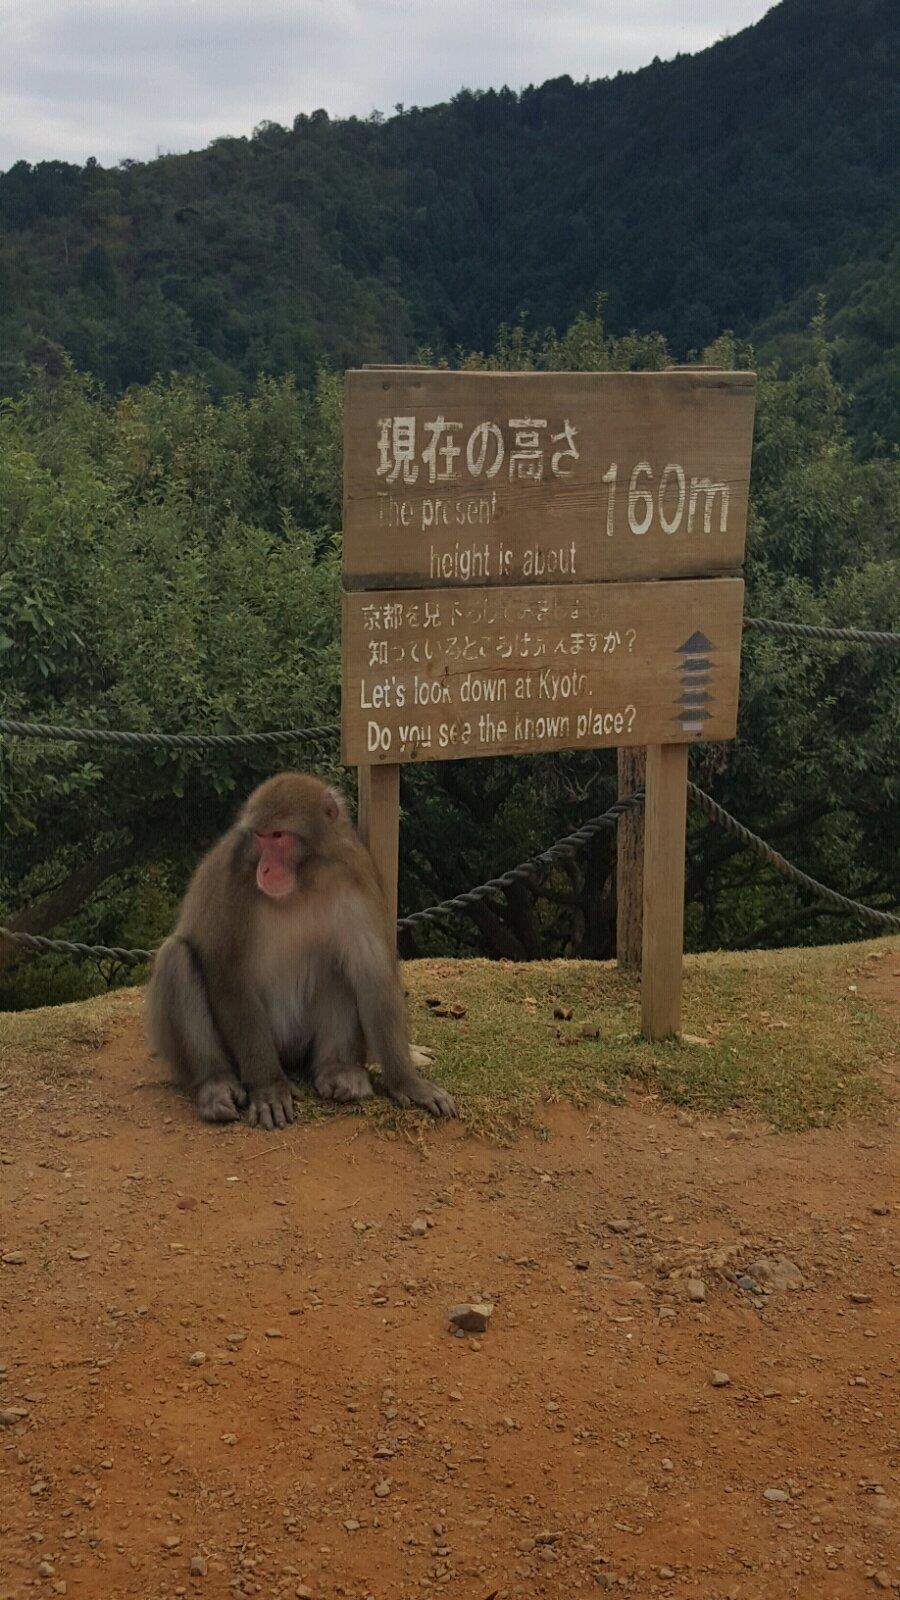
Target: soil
point(226, 1367)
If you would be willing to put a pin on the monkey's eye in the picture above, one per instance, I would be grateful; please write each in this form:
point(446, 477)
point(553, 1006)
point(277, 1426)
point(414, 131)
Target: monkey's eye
point(278, 834)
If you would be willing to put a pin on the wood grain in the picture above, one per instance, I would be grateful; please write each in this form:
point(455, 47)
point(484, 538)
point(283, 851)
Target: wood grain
point(632, 774)
point(379, 827)
point(663, 936)
point(437, 675)
point(666, 433)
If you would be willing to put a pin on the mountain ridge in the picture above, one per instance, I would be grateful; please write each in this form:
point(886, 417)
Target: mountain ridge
point(709, 191)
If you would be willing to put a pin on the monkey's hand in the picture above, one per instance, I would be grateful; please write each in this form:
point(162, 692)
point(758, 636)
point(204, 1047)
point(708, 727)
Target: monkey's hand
point(416, 1091)
point(271, 1105)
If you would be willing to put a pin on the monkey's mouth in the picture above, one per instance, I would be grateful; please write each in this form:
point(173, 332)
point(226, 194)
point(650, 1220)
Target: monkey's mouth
point(275, 874)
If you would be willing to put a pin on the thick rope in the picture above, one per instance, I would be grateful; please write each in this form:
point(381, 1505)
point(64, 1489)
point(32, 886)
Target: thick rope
point(724, 819)
point(808, 631)
point(174, 741)
point(94, 952)
point(527, 871)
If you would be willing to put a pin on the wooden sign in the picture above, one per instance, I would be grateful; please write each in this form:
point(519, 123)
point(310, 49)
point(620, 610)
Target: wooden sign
point(438, 674)
point(538, 561)
point(456, 479)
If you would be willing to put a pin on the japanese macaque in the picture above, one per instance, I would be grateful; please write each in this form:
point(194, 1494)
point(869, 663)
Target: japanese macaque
point(282, 960)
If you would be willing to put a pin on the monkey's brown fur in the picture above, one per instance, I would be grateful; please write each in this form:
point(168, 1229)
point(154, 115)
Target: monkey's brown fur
point(249, 984)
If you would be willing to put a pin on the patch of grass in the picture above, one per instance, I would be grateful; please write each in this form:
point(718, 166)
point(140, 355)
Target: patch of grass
point(55, 1041)
point(784, 1034)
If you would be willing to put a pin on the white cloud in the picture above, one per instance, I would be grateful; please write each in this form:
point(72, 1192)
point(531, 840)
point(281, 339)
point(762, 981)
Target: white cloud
point(117, 78)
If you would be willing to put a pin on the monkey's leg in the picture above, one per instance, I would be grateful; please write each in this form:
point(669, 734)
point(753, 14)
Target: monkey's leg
point(246, 1031)
point(182, 1030)
point(382, 1010)
point(338, 1054)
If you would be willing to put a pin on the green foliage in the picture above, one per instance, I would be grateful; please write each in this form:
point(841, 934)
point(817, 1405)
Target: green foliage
point(701, 193)
point(170, 562)
point(154, 574)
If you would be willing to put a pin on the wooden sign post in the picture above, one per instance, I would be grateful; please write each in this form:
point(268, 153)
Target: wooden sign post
point(545, 561)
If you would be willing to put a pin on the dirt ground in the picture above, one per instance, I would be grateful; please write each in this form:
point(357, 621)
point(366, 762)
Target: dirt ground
point(226, 1368)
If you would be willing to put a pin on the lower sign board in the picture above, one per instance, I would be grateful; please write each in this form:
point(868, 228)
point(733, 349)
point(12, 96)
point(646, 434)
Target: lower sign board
point(436, 674)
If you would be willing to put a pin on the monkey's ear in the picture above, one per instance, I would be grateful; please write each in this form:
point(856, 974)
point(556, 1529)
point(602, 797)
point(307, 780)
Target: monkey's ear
point(333, 805)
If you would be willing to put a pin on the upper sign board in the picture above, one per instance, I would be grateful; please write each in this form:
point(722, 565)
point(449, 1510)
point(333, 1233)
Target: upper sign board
point(505, 478)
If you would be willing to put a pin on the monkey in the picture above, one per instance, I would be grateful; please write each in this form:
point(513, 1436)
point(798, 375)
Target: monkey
point(282, 959)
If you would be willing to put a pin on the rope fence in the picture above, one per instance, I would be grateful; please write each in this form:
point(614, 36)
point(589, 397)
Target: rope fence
point(531, 871)
point(809, 631)
point(172, 741)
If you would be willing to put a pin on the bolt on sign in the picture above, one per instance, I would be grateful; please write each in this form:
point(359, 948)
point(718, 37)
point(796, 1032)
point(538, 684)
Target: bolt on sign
point(541, 561)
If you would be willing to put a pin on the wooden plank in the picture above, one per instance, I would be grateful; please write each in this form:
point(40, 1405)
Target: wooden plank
point(379, 826)
point(457, 478)
point(632, 768)
point(439, 674)
point(664, 845)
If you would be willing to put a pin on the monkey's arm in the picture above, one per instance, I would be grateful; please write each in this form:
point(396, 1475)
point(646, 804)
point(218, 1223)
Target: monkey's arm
point(245, 1031)
point(374, 975)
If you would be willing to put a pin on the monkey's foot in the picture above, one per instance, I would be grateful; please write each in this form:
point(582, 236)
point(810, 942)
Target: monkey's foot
point(220, 1100)
point(271, 1105)
point(420, 1055)
point(415, 1091)
point(342, 1083)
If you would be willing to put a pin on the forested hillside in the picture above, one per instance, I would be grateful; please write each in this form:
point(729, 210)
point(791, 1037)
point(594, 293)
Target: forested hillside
point(170, 562)
point(712, 191)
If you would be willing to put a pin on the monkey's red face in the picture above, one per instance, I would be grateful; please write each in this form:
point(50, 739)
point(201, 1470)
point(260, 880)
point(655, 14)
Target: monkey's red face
point(276, 869)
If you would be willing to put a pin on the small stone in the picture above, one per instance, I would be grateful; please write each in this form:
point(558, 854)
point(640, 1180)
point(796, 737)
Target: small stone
point(472, 1318)
point(13, 1258)
point(667, 1572)
point(198, 1568)
point(696, 1290)
point(719, 1380)
point(46, 1569)
point(605, 1580)
point(79, 1255)
point(418, 1227)
point(352, 1525)
point(39, 1487)
point(667, 1464)
point(776, 1273)
point(858, 1299)
point(881, 1579)
point(274, 1333)
point(197, 1359)
point(382, 1489)
point(748, 1284)
point(776, 1495)
point(618, 1224)
point(303, 1593)
point(171, 1541)
point(10, 1415)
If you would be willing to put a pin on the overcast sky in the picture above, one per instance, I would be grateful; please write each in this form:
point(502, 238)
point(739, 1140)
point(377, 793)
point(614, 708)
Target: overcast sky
point(117, 78)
